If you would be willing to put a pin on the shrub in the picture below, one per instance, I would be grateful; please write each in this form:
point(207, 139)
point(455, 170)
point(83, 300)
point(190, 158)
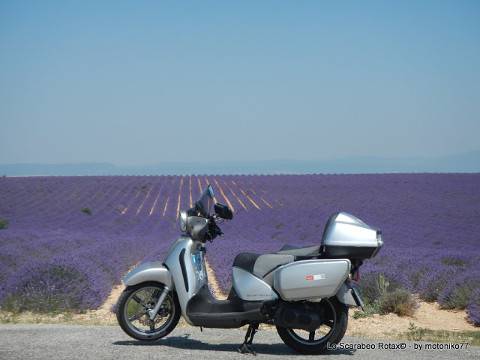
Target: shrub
point(415, 333)
point(373, 286)
point(87, 211)
point(53, 289)
point(457, 298)
point(453, 261)
point(382, 295)
point(457, 295)
point(433, 283)
point(416, 277)
point(473, 309)
point(368, 310)
point(399, 302)
point(3, 224)
point(369, 288)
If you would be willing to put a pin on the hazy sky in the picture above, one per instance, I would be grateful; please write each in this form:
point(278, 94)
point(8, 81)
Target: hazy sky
point(143, 82)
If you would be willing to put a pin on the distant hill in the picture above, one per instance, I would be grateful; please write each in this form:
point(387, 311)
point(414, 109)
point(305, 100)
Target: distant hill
point(466, 162)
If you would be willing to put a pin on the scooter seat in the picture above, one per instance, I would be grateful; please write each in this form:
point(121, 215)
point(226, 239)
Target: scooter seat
point(261, 265)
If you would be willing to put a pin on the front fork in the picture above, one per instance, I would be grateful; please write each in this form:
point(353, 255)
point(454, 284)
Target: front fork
point(153, 312)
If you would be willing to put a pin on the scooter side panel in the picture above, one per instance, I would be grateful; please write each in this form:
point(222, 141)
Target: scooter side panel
point(311, 279)
point(179, 263)
point(250, 288)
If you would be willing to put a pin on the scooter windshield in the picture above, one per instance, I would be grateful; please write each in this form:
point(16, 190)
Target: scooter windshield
point(205, 204)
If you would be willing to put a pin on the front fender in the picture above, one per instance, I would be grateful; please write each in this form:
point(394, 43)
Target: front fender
point(349, 295)
point(150, 271)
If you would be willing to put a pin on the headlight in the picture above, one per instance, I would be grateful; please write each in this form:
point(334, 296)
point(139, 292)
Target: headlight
point(183, 221)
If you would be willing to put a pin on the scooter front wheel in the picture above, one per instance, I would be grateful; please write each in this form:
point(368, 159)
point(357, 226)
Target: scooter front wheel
point(316, 342)
point(134, 304)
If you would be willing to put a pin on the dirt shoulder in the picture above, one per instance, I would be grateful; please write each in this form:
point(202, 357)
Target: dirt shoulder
point(427, 316)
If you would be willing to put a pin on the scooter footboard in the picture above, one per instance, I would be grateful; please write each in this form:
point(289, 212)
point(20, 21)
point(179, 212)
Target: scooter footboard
point(310, 279)
point(150, 271)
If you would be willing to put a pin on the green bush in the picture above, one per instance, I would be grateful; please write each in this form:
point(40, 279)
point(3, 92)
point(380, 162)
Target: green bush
point(3, 224)
point(415, 333)
point(458, 298)
point(369, 288)
point(382, 295)
point(458, 294)
point(87, 211)
point(52, 289)
point(374, 286)
point(368, 310)
point(399, 302)
point(453, 261)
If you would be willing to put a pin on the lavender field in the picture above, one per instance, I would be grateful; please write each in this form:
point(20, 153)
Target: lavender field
point(70, 239)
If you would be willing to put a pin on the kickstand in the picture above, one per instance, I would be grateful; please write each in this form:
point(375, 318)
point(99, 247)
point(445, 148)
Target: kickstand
point(246, 347)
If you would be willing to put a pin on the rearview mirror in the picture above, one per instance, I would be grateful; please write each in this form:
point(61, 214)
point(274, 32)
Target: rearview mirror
point(223, 211)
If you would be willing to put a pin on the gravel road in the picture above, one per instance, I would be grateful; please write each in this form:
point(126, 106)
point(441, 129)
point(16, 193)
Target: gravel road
point(109, 342)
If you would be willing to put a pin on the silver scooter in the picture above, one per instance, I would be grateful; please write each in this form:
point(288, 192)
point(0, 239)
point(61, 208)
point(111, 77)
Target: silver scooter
point(304, 291)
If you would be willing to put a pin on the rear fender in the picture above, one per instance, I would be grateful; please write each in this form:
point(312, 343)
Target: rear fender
point(349, 295)
point(150, 271)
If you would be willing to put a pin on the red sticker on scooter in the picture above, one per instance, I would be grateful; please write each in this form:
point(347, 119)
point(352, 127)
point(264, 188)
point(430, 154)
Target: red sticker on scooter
point(309, 277)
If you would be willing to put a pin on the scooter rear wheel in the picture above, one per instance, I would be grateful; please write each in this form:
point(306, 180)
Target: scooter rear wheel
point(331, 332)
point(132, 311)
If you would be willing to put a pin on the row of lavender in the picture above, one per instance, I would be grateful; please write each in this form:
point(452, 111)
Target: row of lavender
point(430, 225)
point(53, 250)
point(70, 239)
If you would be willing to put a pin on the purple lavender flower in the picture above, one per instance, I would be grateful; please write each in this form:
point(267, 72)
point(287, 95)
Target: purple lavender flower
point(429, 221)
